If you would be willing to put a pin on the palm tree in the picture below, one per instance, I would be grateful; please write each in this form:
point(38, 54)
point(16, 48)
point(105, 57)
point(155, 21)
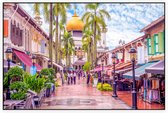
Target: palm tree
point(95, 19)
point(87, 43)
point(61, 29)
point(48, 15)
point(59, 11)
point(68, 43)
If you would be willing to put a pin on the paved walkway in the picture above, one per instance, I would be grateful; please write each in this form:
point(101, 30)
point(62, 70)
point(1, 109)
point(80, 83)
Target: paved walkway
point(126, 96)
point(81, 96)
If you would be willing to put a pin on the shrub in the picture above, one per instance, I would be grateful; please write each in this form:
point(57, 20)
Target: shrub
point(18, 96)
point(34, 83)
point(5, 81)
point(19, 86)
point(52, 71)
point(45, 72)
point(106, 87)
point(56, 84)
point(16, 72)
point(87, 66)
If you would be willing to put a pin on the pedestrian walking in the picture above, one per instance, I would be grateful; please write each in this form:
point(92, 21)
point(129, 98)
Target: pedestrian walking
point(74, 76)
point(79, 74)
point(88, 77)
point(69, 77)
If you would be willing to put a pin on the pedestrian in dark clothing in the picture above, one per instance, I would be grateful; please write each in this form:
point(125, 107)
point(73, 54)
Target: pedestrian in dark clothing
point(69, 77)
point(79, 75)
point(88, 78)
point(74, 77)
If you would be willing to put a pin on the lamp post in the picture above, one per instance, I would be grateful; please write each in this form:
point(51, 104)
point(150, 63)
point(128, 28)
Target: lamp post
point(102, 61)
point(9, 58)
point(113, 73)
point(49, 63)
point(134, 93)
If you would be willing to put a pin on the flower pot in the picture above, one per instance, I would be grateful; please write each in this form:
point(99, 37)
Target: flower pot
point(95, 81)
point(48, 92)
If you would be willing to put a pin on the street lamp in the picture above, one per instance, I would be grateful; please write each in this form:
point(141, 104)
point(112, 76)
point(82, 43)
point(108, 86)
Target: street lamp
point(49, 63)
point(9, 58)
point(102, 61)
point(134, 93)
point(113, 73)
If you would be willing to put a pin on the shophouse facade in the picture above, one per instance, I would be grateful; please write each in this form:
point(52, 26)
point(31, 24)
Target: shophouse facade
point(24, 36)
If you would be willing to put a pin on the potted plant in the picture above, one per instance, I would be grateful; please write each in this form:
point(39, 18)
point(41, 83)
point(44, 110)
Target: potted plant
point(20, 89)
point(48, 89)
point(15, 74)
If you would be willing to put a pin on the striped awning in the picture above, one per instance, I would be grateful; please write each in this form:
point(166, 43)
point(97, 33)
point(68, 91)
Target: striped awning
point(138, 71)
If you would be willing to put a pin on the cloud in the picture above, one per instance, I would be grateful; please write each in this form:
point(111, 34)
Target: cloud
point(127, 19)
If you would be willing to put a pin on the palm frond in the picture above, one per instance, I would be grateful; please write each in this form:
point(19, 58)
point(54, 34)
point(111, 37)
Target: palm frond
point(105, 14)
point(36, 8)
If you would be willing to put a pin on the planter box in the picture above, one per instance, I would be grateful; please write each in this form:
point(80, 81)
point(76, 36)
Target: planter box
point(95, 81)
point(48, 90)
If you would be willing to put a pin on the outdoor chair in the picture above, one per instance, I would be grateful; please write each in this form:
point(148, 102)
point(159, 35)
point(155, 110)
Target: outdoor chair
point(27, 104)
point(39, 98)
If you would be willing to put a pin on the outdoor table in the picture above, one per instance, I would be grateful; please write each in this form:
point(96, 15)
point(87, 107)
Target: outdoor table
point(12, 103)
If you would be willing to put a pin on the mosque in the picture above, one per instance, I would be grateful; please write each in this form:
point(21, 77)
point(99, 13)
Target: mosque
point(75, 26)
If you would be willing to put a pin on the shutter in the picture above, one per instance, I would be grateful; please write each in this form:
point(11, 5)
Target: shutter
point(152, 46)
point(6, 28)
point(161, 48)
point(148, 45)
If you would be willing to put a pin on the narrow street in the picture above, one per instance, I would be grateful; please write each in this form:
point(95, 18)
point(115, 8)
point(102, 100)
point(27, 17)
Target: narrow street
point(81, 96)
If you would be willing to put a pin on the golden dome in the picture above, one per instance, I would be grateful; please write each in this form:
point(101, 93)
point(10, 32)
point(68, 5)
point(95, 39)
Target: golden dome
point(75, 24)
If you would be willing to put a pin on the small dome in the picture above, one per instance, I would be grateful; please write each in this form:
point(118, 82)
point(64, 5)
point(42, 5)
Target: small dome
point(75, 24)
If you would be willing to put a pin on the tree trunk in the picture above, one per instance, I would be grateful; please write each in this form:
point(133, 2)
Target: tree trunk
point(50, 36)
point(59, 48)
point(95, 44)
point(66, 60)
point(56, 41)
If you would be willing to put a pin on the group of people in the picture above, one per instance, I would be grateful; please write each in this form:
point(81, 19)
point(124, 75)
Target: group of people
point(72, 77)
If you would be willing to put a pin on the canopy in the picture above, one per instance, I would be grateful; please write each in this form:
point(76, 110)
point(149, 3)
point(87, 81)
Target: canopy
point(157, 68)
point(79, 62)
point(26, 59)
point(60, 67)
point(138, 71)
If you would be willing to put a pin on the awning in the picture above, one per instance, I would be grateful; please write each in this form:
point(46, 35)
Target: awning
point(60, 67)
point(26, 59)
point(47, 59)
point(123, 70)
point(118, 66)
point(79, 62)
point(157, 68)
point(138, 71)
